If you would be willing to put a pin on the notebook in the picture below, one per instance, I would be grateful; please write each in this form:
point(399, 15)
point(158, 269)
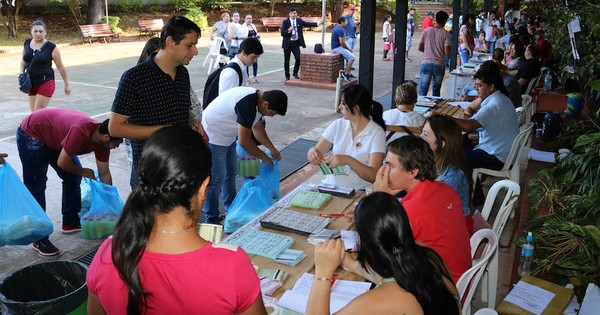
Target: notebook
point(255, 242)
point(293, 221)
point(310, 199)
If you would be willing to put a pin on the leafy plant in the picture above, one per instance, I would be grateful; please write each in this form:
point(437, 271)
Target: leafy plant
point(113, 21)
point(565, 208)
point(196, 15)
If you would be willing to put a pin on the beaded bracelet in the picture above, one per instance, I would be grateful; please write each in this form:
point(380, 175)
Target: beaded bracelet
point(323, 279)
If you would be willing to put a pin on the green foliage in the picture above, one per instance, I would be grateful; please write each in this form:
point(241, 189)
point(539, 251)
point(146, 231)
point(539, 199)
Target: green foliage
point(587, 69)
point(197, 16)
point(128, 5)
point(568, 232)
point(54, 7)
point(155, 5)
point(113, 21)
point(202, 4)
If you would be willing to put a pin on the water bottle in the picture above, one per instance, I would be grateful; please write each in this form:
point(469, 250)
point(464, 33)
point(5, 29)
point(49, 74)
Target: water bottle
point(548, 81)
point(526, 256)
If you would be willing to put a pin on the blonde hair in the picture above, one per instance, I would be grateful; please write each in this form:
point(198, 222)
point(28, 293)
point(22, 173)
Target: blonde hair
point(406, 93)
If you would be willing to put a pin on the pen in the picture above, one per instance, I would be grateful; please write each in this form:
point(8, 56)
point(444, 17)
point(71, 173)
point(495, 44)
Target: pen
point(332, 215)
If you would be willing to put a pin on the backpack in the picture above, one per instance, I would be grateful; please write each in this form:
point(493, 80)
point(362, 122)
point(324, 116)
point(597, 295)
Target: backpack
point(211, 87)
point(319, 49)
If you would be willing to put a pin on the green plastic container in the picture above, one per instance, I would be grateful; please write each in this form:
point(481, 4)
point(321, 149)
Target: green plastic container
point(574, 104)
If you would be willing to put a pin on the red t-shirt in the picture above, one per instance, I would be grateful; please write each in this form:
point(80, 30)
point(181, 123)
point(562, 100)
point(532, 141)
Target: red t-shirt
point(427, 22)
point(436, 218)
point(68, 129)
point(545, 49)
point(214, 280)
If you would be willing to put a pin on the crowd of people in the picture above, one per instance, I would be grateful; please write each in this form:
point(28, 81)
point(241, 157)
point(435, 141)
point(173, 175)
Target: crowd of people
point(416, 170)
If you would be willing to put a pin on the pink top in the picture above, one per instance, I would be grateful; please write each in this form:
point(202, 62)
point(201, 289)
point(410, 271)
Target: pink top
point(435, 40)
point(213, 280)
point(60, 128)
point(436, 218)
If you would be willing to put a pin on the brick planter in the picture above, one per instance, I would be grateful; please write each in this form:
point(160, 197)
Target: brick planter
point(319, 71)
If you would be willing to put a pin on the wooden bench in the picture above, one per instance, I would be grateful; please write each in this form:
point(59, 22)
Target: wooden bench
point(148, 27)
point(273, 21)
point(92, 31)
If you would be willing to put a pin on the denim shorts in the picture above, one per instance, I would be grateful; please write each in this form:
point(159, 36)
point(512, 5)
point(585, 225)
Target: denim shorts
point(348, 55)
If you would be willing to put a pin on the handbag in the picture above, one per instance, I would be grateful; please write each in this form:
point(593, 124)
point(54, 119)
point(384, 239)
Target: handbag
point(24, 78)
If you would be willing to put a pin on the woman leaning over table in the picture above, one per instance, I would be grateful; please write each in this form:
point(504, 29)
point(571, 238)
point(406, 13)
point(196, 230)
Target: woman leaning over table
point(357, 140)
point(38, 54)
point(156, 262)
point(445, 139)
point(414, 278)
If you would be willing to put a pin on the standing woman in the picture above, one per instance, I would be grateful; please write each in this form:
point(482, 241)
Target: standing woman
point(238, 33)
point(387, 36)
point(221, 29)
point(252, 33)
point(38, 53)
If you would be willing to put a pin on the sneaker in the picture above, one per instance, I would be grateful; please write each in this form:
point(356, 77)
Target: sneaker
point(45, 247)
point(68, 229)
point(351, 76)
point(345, 76)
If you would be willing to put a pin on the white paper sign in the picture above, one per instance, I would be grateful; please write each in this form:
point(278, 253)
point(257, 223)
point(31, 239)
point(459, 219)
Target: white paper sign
point(529, 297)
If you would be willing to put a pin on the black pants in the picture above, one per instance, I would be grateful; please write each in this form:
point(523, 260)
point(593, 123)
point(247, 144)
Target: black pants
point(294, 49)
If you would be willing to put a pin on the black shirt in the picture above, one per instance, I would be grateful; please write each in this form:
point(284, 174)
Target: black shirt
point(41, 69)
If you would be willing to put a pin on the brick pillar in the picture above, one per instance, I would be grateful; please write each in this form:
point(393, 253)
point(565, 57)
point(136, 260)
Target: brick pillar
point(321, 68)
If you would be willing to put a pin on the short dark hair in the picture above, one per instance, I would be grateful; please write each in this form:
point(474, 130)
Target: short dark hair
point(489, 73)
point(341, 19)
point(441, 17)
point(292, 9)
point(414, 153)
point(177, 27)
point(103, 129)
point(534, 50)
point(39, 23)
point(251, 46)
point(278, 101)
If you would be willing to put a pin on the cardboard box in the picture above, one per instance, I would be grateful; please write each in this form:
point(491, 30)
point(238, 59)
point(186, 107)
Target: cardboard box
point(557, 305)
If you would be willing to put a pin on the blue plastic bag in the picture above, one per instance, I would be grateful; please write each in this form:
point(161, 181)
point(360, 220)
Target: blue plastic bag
point(22, 219)
point(105, 209)
point(254, 197)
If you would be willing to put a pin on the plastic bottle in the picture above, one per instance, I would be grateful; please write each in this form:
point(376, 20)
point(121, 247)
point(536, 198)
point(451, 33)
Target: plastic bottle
point(548, 81)
point(526, 256)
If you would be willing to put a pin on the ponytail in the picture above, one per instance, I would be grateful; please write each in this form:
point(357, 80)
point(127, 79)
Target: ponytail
point(377, 113)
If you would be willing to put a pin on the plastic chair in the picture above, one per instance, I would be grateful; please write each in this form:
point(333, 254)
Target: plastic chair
point(214, 54)
point(470, 279)
point(490, 279)
point(524, 112)
point(511, 168)
point(533, 83)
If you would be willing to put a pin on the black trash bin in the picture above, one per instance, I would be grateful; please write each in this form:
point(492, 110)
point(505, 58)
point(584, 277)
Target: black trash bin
point(55, 287)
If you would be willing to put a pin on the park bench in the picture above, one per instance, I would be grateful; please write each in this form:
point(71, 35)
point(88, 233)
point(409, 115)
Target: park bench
point(92, 31)
point(273, 21)
point(148, 27)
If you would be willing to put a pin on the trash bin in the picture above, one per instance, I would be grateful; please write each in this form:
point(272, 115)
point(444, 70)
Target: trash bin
point(55, 287)
point(574, 104)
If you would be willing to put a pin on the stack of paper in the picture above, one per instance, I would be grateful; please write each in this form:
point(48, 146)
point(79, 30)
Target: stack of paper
point(290, 257)
point(272, 273)
point(293, 221)
point(326, 169)
point(268, 286)
point(322, 236)
point(261, 243)
point(342, 293)
point(310, 199)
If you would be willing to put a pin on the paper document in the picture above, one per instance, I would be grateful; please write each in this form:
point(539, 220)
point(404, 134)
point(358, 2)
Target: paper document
point(421, 109)
point(342, 293)
point(350, 239)
point(591, 301)
point(542, 156)
point(529, 297)
point(461, 104)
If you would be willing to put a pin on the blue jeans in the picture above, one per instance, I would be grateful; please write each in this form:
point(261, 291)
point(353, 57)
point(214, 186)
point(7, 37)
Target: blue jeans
point(431, 70)
point(254, 70)
point(492, 46)
point(351, 42)
point(35, 158)
point(222, 180)
point(464, 56)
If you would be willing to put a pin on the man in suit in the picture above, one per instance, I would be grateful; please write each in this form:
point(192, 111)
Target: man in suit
point(291, 31)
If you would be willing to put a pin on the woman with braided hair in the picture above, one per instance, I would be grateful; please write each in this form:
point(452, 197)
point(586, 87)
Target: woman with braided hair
point(156, 263)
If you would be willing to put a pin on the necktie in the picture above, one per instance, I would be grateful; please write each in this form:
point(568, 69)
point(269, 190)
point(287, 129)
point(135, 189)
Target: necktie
point(294, 32)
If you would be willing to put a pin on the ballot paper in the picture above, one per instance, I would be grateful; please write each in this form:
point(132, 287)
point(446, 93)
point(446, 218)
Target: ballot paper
point(529, 297)
point(350, 239)
point(290, 257)
point(261, 243)
point(461, 104)
point(342, 292)
point(591, 301)
point(268, 286)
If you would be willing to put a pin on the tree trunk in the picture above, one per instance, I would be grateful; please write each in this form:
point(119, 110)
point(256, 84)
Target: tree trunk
point(10, 16)
point(336, 9)
point(94, 11)
point(272, 7)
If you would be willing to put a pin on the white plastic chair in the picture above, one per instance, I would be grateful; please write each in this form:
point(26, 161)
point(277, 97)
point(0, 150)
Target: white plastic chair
point(511, 168)
point(524, 112)
point(513, 190)
point(533, 83)
point(214, 54)
point(467, 283)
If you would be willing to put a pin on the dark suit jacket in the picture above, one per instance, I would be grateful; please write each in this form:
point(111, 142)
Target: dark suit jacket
point(287, 35)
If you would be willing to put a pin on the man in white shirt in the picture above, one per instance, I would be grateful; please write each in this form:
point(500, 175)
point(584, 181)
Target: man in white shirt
point(491, 26)
point(236, 114)
point(250, 50)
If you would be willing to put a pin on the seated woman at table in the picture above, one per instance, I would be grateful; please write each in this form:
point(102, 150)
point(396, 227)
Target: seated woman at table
point(481, 45)
point(414, 279)
point(403, 120)
point(357, 140)
point(156, 262)
point(445, 139)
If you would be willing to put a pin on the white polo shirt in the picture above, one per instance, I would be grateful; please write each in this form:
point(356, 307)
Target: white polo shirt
point(237, 106)
point(370, 140)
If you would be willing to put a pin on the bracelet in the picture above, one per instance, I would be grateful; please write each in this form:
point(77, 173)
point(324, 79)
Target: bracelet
point(323, 279)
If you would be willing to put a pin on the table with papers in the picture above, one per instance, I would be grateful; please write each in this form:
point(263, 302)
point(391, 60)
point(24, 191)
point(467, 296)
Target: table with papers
point(300, 242)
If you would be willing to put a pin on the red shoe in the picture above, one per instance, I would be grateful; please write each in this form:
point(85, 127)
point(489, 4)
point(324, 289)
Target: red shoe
point(68, 229)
